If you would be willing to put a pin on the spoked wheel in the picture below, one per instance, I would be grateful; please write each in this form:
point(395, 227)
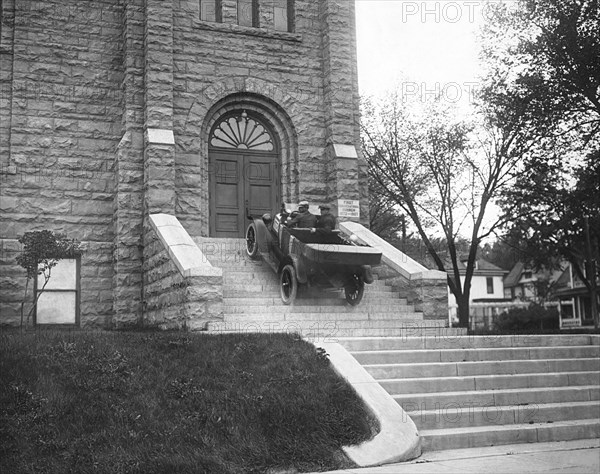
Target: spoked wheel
point(355, 290)
point(251, 242)
point(288, 284)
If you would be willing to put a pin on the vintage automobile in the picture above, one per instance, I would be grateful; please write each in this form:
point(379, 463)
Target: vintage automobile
point(322, 259)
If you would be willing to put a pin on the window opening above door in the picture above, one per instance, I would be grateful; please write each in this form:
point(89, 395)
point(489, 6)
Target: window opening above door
point(242, 132)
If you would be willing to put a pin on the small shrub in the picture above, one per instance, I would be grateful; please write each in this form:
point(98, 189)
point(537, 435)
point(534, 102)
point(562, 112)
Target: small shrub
point(535, 317)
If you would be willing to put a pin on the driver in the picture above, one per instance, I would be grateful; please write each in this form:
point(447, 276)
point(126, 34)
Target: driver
point(304, 219)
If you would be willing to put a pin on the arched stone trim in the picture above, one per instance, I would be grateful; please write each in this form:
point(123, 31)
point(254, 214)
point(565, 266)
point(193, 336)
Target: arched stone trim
point(271, 113)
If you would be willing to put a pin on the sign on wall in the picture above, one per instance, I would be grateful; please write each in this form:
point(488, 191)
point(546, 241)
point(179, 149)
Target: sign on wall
point(349, 208)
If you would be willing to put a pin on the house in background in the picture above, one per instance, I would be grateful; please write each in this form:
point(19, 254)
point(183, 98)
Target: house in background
point(561, 288)
point(574, 300)
point(529, 285)
point(487, 292)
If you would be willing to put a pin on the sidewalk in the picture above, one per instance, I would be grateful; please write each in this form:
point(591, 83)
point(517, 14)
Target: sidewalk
point(580, 456)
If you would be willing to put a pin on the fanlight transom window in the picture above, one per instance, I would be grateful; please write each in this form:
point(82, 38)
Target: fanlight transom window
point(243, 133)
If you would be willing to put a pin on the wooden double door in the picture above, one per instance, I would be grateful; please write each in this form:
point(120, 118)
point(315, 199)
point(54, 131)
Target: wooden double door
point(241, 181)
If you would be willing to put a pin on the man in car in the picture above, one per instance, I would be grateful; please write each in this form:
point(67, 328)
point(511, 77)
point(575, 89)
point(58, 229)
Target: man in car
point(327, 221)
point(303, 219)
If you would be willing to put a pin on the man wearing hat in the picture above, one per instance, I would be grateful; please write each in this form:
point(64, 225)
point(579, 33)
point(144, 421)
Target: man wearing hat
point(303, 219)
point(326, 221)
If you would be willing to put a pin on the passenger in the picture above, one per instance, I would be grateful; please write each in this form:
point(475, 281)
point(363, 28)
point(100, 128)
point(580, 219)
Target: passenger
point(327, 221)
point(304, 219)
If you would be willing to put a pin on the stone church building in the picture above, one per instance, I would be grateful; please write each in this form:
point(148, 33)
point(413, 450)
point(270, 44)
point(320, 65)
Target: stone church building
point(114, 110)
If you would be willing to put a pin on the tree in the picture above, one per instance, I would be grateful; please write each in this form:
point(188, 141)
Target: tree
point(384, 218)
point(42, 251)
point(546, 80)
point(442, 174)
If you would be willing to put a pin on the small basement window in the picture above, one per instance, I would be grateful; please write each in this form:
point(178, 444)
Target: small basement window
point(59, 302)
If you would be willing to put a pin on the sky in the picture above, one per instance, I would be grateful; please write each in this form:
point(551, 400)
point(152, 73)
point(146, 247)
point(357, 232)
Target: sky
point(423, 46)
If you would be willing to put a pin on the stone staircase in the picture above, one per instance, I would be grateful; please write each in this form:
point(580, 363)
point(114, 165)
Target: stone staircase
point(473, 391)
point(252, 303)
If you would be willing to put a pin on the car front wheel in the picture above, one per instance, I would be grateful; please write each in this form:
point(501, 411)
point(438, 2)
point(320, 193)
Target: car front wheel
point(288, 284)
point(251, 242)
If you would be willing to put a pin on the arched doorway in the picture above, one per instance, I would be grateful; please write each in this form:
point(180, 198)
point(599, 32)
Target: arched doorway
point(244, 172)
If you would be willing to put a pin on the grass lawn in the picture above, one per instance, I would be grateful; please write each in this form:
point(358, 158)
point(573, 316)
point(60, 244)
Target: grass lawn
point(145, 402)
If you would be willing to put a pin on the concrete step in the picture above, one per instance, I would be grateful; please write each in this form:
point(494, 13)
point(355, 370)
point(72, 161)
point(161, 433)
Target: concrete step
point(267, 291)
point(460, 340)
point(494, 398)
point(449, 369)
point(406, 319)
point(488, 382)
point(322, 329)
point(460, 417)
point(483, 354)
point(382, 311)
point(472, 391)
point(478, 436)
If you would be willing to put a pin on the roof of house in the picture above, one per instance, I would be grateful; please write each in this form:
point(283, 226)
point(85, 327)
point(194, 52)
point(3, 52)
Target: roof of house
point(483, 268)
point(513, 277)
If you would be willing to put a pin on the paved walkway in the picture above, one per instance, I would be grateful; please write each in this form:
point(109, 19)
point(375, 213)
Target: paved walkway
point(581, 457)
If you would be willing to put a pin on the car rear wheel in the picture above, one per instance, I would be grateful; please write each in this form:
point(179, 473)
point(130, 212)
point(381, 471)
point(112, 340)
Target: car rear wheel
point(355, 290)
point(288, 284)
point(251, 242)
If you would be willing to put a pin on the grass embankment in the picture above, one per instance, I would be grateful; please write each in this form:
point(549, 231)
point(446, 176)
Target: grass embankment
point(171, 403)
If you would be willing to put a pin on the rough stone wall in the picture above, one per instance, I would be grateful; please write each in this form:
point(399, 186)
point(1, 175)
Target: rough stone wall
point(288, 75)
point(84, 81)
point(61, 85)
point(173, 301)
point(129, 174)
point(427, 295)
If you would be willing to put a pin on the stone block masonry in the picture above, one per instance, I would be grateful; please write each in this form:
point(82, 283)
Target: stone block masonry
point(426, 290)
point(182, 290)
point(106, 109)
point(60, 126)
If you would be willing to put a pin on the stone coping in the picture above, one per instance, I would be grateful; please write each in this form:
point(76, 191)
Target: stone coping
point(185, 254)
point(391, 256)
point(398, 439)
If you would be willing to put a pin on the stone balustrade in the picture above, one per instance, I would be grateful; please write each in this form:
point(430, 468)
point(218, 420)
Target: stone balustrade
point(426, 290)
point(182, 290)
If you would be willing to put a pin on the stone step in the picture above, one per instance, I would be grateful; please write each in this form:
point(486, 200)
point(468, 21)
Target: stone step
point(259, 288)
point(406, 319)
point(321, 330)
point(478, 436)
point(321, 319)
point(272, 301)
point(488, 382)
point(460, 340)
point(455, 416)
point(258, 292)
point(449, 369)
point(469, 391)
point(384, 311)
point(483, 354)
point(502, 397)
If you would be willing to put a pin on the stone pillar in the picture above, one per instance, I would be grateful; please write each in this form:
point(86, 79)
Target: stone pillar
point(129, 175)
point(340, 89)
point(7, 42)
point(159, 142)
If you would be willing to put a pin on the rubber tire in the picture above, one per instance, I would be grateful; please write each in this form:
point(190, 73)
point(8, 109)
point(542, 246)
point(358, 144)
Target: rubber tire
point(288, 284)
point(251, 243)
point(354, 292)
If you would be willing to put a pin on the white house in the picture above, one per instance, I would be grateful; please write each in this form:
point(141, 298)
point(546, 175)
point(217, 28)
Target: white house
point(487, 289)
